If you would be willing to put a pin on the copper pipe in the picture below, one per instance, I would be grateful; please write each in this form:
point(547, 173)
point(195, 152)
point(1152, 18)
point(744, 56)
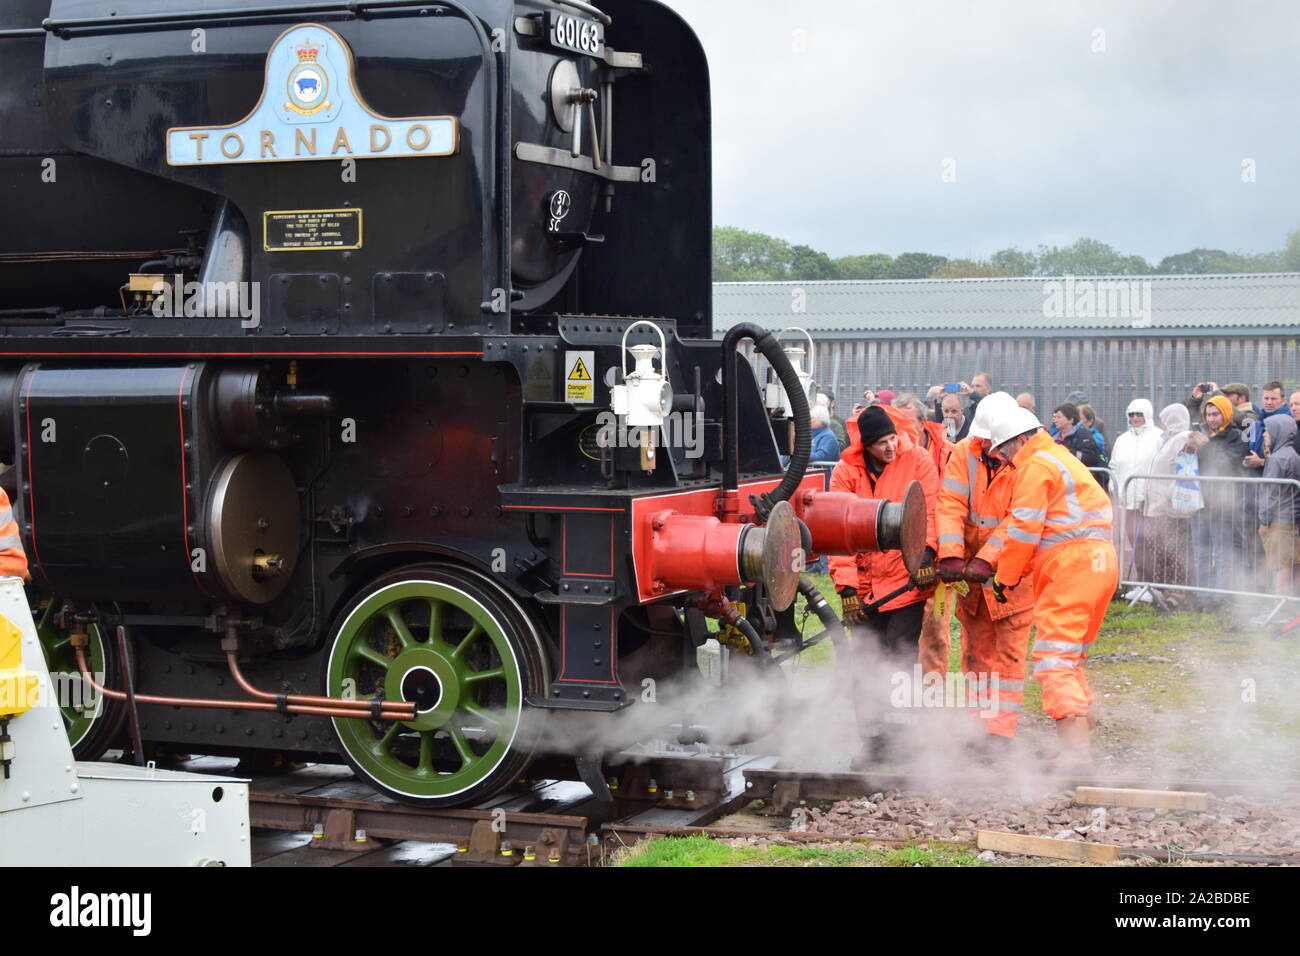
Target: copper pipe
point(392, 709)
point(208, 702)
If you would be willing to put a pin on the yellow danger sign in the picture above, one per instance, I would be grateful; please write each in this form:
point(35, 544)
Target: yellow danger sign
point(578, 384)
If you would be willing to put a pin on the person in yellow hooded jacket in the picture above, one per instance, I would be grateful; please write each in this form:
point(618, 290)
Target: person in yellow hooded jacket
point(1218, 544)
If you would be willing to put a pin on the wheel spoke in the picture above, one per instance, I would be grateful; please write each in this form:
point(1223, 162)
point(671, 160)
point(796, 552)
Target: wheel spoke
point(394, 616)
point(475, 676)
point(458, 740)
point(426, 752)
point(386, 741)
point(473, 635)
point(366, 652)
point(483, 716)
point(435, 620)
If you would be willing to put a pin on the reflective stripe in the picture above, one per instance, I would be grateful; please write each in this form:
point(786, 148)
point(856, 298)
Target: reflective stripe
point(1105, 514)
point(1071, 499)
point(6, 516)
point(1066, 647)
point(1008, 706)
point(11, 542)
point(1074, 534)
point(995, 540)
point(1054, 664)
point(951, 538)
point(952, 484)
point(983, 522)
point(1024, 537)
point(972, 475)
point(1029, 514)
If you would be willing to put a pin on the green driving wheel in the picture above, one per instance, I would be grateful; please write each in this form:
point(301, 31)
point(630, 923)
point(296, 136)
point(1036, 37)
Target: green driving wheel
point(464, 652)
point(92, 720)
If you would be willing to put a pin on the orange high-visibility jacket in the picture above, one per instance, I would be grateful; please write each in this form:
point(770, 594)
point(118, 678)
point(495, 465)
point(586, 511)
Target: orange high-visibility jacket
point(875, 574)
point(940, 446)
point(13, 560)
point(1055, 500)
point(971, 505)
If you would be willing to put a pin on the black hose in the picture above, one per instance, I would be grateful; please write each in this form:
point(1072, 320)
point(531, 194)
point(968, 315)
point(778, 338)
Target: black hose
point(755, 642)
point(768, 345)
point(817, 602)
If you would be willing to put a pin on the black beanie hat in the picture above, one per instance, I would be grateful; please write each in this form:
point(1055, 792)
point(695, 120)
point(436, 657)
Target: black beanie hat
point(874, 424)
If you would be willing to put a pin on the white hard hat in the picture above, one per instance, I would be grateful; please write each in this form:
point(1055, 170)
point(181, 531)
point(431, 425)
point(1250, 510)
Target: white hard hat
point(1013, 422)
point(990, 407)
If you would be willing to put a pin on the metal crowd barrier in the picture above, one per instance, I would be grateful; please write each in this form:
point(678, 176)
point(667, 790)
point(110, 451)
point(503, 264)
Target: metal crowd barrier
point(1215, 551)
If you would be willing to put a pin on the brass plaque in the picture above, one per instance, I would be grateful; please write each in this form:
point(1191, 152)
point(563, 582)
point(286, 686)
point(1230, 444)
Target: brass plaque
point(300, 230)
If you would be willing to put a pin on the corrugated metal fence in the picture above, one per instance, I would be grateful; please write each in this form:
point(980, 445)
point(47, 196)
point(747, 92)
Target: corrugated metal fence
point(1111, 371)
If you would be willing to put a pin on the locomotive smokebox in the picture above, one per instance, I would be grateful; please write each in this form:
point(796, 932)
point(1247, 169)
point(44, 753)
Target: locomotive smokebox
point(163, 484)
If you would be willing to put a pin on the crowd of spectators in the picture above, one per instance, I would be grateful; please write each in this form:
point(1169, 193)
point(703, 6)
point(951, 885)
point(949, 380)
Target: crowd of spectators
point(1210, 535)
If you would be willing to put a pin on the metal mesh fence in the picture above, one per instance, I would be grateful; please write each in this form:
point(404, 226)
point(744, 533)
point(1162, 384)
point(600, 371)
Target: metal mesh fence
point(1218, 538)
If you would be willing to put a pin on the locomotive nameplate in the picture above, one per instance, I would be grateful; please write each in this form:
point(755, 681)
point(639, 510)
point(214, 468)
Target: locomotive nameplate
point(311, 109)
point(299, 230)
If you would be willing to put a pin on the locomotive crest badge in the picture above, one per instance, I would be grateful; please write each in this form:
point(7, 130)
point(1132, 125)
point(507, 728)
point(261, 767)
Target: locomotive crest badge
point(311, 109)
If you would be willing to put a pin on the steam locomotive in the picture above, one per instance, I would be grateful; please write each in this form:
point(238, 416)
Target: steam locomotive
point(346, 355)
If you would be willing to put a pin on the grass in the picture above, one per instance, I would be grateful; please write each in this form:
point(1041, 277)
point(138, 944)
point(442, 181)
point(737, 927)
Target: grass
point(705, 851)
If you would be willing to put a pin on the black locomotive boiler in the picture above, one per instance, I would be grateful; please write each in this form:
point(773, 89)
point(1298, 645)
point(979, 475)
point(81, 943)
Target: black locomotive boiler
point(359, 385)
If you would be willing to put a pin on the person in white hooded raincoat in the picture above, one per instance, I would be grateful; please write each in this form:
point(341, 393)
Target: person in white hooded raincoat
point(1133, 454)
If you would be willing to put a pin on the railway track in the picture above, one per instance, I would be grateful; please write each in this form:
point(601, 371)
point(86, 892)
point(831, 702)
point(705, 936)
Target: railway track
point(321, 815)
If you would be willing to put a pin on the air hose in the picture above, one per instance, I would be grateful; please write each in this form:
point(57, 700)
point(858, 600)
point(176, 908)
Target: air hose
point(767, 344)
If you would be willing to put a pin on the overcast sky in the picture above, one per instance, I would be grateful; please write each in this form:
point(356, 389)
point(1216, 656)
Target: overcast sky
point(842, 145)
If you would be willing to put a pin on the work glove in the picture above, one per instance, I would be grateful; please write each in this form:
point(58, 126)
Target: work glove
point(1000, 590)
point(951, 569)
point(852, 606)
point(923, 577)
point(979, 571)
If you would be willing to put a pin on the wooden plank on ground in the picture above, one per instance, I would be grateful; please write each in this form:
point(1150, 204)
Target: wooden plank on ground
point(1046, 846)
point(1155, 799)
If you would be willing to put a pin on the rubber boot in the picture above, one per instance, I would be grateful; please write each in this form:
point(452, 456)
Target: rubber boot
point(1076, 750)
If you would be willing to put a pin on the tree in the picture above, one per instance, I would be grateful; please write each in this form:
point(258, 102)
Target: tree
point(915, 265)
point(1013, 262)
point(741, 256)
point(1088, 257)
point(967, 269)
point(1290, 256)
point(810, 264)
point(875, 266)
point(1195, 263)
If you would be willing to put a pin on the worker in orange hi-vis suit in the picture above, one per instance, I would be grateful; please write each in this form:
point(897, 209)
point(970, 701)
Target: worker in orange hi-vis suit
point(1057, 533)
point(932, 438)
point(973, 499)
point(13, 560)
point(882, 462)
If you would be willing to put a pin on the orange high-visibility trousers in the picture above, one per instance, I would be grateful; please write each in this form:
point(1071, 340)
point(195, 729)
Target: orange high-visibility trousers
point(936, 643)
point(993, 659)
point(1073, 585)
